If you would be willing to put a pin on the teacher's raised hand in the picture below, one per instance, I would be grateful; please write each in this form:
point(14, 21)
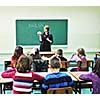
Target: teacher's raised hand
point(39, 33)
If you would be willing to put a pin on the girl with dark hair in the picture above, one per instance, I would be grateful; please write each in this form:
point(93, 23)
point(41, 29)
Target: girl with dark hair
point(22, 76)
point(94, 76)
point(17, 53)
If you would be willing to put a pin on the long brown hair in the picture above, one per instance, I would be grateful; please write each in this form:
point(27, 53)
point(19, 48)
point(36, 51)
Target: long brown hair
point(81, 52)
point(23, 64)
point(18, 51)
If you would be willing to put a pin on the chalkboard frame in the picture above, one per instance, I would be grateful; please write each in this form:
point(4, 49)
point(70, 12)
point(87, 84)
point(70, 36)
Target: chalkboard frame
point(66, 34)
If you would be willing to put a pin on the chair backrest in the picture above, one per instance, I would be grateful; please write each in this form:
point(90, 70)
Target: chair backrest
point(64, 90)
point(7, 64)
point(64, 64)
point(40, 65)
point(85, 64)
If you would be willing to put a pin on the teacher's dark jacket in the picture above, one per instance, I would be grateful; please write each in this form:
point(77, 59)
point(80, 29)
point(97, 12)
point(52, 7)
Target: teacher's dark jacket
point(44, 44)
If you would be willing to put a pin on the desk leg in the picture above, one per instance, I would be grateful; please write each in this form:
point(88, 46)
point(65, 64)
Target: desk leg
point(92, 65)
point(0, 88)
point(75, 87)
point(79, 87)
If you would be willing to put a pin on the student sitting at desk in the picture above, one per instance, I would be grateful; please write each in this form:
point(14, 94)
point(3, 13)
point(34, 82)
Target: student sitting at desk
point(80, 53)
point(17, 53)
point(22, 76)
point(62, 58)
point(80, 56)
point(60, 55)
point(56, 79)
point(94, 76)
point(38, 64)
point(34, 54)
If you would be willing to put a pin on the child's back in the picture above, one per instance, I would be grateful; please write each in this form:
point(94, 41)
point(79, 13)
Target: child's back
point(56, 79)
point(22, 76)
point(22, 83)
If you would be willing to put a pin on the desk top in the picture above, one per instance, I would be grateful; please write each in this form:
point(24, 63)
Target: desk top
point(77, 74)
point(46, 73)
point(5, 80)
point(73, 75)
point(47, 52)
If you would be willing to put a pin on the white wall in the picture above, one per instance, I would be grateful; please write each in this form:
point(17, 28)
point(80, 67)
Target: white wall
point(83, 24)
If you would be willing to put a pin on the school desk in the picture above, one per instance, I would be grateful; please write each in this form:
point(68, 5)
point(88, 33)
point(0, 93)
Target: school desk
point(80, 83)
point(4, 81)
point(46, 73)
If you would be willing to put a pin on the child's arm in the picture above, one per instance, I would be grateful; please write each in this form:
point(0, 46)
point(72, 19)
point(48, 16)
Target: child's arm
point(37, 77)
point(86, 76)
point(44, 87)
point(69, 80)
point(8, 73)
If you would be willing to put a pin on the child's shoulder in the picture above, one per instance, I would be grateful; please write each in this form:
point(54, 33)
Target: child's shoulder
point(57, 74)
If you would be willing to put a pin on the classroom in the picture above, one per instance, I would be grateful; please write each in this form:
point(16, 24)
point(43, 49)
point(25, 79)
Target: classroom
point(83, 29)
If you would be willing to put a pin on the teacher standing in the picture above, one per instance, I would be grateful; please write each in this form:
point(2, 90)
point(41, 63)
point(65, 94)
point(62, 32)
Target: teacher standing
point(46, 39)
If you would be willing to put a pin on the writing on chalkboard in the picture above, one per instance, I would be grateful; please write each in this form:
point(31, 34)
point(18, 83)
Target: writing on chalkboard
point(36, 25)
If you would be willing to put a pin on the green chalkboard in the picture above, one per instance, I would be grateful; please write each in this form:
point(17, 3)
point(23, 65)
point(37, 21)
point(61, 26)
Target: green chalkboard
point(26, 31)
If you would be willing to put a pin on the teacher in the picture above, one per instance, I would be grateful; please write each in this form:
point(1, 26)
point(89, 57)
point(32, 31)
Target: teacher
point(46, 39)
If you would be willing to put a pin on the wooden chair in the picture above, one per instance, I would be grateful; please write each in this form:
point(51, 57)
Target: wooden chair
point(64, 65)
point(64, 90)
point(85, 64)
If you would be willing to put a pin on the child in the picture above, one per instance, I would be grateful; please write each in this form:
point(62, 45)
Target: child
point(97, 56)
point(34, 54)
point(38, 64)
point(56, 79)
point(94, 77)
point(60, 55)
point(80, 56)
point(17, 53)
point(22, 76)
